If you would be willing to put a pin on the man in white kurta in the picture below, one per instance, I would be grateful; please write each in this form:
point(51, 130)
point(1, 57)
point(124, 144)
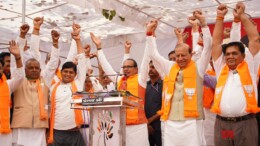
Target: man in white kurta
point(63, 116)
point(179, 130)
point(233, 115)
point(136, 134)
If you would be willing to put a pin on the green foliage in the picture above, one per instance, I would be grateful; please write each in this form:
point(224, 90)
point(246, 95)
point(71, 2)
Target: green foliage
point(110, 14)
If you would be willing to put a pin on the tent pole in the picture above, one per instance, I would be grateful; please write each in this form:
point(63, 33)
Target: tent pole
point(23, 11)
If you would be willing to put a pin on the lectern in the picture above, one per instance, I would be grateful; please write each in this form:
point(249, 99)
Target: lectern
point(107, 115)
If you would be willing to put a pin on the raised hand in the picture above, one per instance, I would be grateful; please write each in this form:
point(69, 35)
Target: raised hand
point(151, 27)
point(75, 61)
point(14, 49)
point(87, 50)
point(96, 40)
point(222, 10)
point(200, 16)
point(55, 35)
point(25, 48)
point(194, 23)
point(55, 38)
point(235, 14)
point(92, 55)
point(128, 46)
point(90, 71)
point(37, 22)
point(240, 9)
point(76, 27)
point(75, 35)
point(185, 36)
point(227, 32)
point(178, 34)
point(23, 30)
point(192, 20)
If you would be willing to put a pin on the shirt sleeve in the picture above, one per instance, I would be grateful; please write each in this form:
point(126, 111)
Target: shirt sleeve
point(72, 52)
point(106, 66)
point(253, 63)
point(218, 64)
point(82, 69)
point(17, 78)
point(35, 47)
point(195, 39)
point(210, 81)
point(160, 63)
point(197, 52)
point(96, 85)
point(144, 69)
point(203, 61)
point(235, 33)
point(50, 69)
point(21, 43)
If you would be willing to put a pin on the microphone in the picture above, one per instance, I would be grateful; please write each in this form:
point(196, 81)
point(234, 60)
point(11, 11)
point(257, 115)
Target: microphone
point(117, 82)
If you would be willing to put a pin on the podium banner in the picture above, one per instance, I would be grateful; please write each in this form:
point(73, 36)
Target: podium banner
point(107, 128)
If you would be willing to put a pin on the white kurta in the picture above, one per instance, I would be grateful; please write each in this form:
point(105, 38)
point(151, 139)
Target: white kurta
point(184, 133)
point(33, 136)
point(209, 124)
point(189, 131)
point(233, 82)
point(64, 115)
point(17, 78)
point(29, 137)
point(135, 134)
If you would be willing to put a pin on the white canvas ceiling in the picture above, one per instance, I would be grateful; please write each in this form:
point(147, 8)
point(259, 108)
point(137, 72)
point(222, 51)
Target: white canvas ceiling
point(60, 14)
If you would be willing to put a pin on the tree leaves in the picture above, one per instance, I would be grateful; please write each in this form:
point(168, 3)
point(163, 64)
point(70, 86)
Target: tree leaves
point(110, 14)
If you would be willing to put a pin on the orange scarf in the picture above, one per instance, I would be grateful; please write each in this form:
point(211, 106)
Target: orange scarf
point(208, 93)
point(247, 85)
point(162, 112)
point(190, 93)
point(4, 78)
point(133, 115)
point(43, 113)
point(78, 113)
point(259, 71)
point(4, 107)
point(58, 74)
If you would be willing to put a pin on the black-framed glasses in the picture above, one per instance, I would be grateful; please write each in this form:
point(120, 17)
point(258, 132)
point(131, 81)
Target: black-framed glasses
point(127, 67)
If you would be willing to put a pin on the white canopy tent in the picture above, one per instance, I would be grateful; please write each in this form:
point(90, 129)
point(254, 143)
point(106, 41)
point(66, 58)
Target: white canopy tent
point(128, 18)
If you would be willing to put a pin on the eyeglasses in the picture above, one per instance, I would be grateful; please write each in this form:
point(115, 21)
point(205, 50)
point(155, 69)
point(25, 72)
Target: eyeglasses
point(127, 67)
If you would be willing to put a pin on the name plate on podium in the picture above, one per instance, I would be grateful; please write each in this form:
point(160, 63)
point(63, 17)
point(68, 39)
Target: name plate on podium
point(92, 101)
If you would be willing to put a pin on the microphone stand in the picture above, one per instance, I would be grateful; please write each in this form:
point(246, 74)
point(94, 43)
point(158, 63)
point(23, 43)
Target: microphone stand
point(116, 88)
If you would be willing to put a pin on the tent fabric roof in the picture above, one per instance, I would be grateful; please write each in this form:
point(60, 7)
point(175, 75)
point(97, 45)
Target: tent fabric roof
point(60, 14)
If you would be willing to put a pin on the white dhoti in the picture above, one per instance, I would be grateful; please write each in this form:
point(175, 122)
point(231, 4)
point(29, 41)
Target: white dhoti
point(6, 139)
point(137, 135)
point(184, 133)
point(162, 131)
point(209, 124)
point(29, 137)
